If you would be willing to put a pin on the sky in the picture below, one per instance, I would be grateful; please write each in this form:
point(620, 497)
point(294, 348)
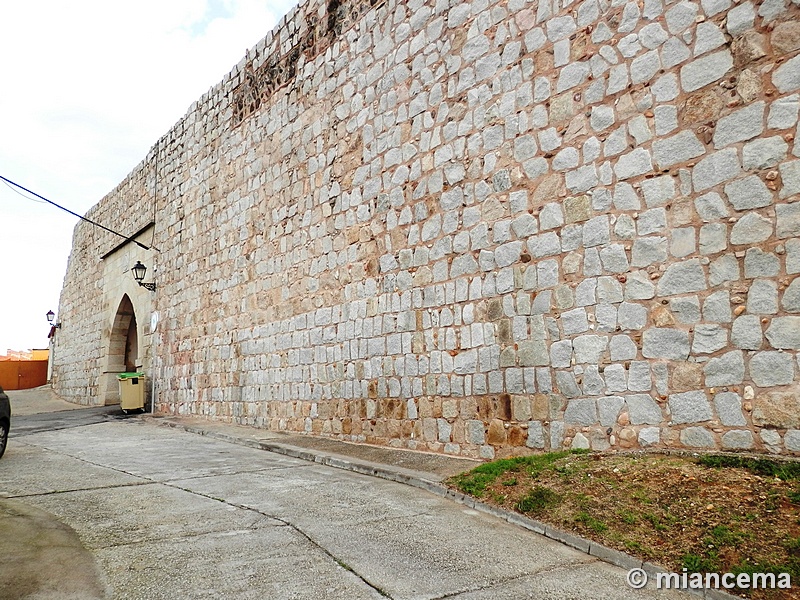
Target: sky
point(86, 89)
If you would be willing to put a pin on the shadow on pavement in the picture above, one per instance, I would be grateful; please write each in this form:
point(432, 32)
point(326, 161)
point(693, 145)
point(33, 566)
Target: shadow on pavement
point(43, 558)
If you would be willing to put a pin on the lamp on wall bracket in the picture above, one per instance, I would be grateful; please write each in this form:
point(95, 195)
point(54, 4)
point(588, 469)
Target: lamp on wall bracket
point(50, 316)
point(139, 271)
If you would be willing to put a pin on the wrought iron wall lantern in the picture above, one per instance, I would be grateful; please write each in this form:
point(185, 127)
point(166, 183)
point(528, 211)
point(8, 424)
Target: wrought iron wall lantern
point(139, 271)
point(50, 316)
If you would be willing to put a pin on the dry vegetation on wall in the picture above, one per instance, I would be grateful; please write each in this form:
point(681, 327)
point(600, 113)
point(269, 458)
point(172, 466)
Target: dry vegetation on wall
point(260, 81)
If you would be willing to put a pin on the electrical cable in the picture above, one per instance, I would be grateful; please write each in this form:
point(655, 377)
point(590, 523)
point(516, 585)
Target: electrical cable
point(128, 238)
point(23, 195)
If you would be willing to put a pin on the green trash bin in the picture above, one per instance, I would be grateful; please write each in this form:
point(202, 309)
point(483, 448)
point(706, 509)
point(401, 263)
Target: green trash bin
point(131, 391)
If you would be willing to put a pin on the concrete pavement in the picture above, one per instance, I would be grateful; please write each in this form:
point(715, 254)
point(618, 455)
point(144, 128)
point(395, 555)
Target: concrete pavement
point(44, 558)
point(38, 400)
point(166, 514)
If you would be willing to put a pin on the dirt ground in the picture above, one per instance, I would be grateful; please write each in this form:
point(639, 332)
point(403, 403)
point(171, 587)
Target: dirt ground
point(705, 515)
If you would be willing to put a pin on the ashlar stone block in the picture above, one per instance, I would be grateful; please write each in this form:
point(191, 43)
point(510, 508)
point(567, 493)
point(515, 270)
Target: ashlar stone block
point(636, 162)
point(649, 250)
point(639, 376)
point(658, 190)
point(744, 124)
point(763, 153)
point(788, 220)
point(792, 440)
point(639, 286)
point(681, 278)
point(707, 69)
point(729, 409)
point(717, 307)
point(751, 228)
point(685, 309)
point(608, 409)
point(741, 18)
point(725, 268)
point(689, 407)
point(708, 339)
point(746, 332)
point(758, 263)
point(643, 410)
point(769, 369)
point(683, 242)
point(762, 298)
point(622, 347)
point(787, 77)
point(681, 16)
point(567, 384)
point(574, 321)
point(665, 343)
point(777, 408)
point(791, 297)
point(708, 37)
point(784, 333)
point(783, 112)
point(727, 369)
point(715, 169)
point(711, 207)
point(616, 378)
point(679, 148)
point(738, 440)
point(748, 193)
point(632, 316)
point(535, 435)
point(790, 176)
point(649, 436)
point(589, 349)
point(713, 238)
point(697, 437)
point(581, 411)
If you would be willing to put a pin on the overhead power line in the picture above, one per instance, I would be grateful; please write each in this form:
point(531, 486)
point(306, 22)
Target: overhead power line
point(82, 218)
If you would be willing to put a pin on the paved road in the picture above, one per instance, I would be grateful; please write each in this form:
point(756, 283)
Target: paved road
point(169, 514)
point(52, 421)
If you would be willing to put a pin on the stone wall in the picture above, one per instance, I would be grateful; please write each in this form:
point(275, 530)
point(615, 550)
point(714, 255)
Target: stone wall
point(477, 228)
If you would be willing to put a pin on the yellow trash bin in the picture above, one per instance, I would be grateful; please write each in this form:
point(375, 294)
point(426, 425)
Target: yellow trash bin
point(131, 391)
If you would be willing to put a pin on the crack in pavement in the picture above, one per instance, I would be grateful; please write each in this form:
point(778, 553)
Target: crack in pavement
point(296, 528)
point(542, 571)
point(244, 472)
point(86, 489)
point(183, 536)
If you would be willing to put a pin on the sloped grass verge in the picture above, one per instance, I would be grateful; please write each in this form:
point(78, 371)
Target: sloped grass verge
point(714, 514)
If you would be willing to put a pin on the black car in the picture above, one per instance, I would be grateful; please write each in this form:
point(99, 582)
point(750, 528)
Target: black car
point(5, 420)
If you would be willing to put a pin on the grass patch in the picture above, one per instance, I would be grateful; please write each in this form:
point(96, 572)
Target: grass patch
point(722, 535)
point(699, 564)
point(764, 467)
point(537, 500)
point(476, 481)
point(655, 521)
point(594, 524)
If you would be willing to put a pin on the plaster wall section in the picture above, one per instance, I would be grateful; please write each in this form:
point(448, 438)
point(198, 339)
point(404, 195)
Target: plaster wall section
point(483, 228)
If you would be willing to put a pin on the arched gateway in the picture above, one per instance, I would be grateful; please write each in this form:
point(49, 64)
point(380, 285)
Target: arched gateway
point(123, 348)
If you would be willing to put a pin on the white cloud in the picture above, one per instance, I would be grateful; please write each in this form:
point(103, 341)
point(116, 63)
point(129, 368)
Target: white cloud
point(88, 87)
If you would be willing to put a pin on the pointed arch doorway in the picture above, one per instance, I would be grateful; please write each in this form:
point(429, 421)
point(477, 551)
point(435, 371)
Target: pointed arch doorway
point(123, 348)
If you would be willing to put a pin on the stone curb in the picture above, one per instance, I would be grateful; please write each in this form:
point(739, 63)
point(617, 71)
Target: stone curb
point(419, 480)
